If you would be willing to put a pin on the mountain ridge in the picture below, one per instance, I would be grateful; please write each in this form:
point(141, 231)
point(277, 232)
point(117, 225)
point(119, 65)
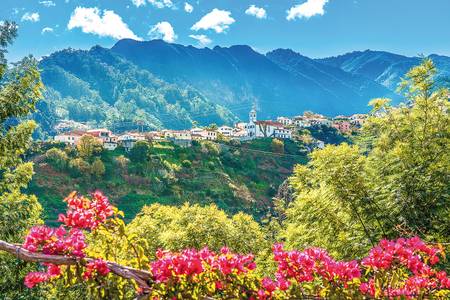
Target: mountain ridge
point(165, 85)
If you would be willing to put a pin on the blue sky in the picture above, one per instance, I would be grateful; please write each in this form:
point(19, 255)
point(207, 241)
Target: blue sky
point(315, 28)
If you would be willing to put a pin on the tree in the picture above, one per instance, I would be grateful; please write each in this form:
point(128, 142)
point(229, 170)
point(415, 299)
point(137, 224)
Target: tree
point(57, 158)
point(193, 226)
point(98, 168)
point(332, 204)
point(88, 146)
point(277, 146)
point(410, 157)
point(79, 167)
point(20, 89)
point(213, 127)
point(395, 182)
point(122, 162)
point(139, 152)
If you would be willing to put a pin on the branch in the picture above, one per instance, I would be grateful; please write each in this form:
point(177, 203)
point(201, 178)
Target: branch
point(140, 276)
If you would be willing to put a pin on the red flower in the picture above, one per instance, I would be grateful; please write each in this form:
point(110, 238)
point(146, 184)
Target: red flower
point(34, 278)
point(98, 267)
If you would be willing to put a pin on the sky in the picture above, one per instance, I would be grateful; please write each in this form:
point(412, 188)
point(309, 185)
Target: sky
point(315, 28)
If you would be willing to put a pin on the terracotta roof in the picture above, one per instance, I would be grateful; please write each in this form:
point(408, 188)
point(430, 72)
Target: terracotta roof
point(269, 123)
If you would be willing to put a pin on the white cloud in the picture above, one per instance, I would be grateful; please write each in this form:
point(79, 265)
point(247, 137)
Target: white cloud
point(32, 17)
point(90, 20)
point(155, 3)
point(161, 3)
point(47, 3)
point(163, 30)
point(258, 12)
point(307, 10)
point(202, 39)
point(138, 3)
point(188, 8)
point(46, 30)
point(218, 20)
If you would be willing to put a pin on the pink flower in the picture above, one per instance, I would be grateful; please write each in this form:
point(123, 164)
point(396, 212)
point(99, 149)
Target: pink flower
point(34, 278)
point(98, 266)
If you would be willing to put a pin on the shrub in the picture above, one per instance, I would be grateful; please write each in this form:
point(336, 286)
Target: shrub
point(57, 158)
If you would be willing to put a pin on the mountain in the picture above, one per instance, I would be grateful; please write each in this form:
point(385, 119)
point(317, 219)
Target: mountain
point(238, 76)
point(100, 87)
point(163, 85)
point(384, 67)
point(349, 90)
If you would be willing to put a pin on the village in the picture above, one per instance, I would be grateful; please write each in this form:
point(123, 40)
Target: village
point(281, 128)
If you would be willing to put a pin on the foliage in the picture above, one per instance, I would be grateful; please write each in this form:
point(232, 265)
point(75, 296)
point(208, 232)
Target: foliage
point(333, 203)
point(410, 157)
point(79, 167)
point(193, 226)
point(88, 145)
point(327, 134)
point(395, 182)
point(139, 152)
point(57, 158)
point(20, 89)
point(98, 168)
point(277, 146)
point(235, 178)
point(403, 268)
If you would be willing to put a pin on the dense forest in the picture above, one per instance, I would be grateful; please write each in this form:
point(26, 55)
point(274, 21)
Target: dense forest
point(361, 220)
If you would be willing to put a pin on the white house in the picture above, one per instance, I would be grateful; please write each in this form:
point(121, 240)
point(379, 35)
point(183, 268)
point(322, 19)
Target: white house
point(108, 140)
point(301, 122)
point(203, 134)
point(282, 133)
point(128, 140)
point(70, 138)
point(225, 130)
point(285, 121)
point(272, 129)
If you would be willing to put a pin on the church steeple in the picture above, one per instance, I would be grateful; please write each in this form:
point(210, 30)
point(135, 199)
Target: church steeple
point(252, 115)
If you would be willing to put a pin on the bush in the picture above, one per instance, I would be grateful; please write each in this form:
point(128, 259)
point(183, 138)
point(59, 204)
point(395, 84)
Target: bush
point(187, 163)
point(57, 158)
point(277, 146)
point(98, 168)
point(79, 167)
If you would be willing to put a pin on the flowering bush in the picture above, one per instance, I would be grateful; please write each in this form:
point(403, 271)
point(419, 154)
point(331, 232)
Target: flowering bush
point(69, 239)
point(84, 213)
point(324, 276)
point(193, 273)
point(402, 268)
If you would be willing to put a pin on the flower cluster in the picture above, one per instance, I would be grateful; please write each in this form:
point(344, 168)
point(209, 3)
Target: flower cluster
point(203, 272)
point(56, 241)
point(192, 262)
point(68, 239)
point(98, 267)
point(411, 258)
point(402, 268)
point(35, 278)
point(84, 213)
point(310, 265)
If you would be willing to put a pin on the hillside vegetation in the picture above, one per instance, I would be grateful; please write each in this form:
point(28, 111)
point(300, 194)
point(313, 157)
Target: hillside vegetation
point(235, 177)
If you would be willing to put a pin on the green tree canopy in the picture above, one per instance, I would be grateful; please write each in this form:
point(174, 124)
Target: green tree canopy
point(395, 182)
point(88, 145)
point(139, 152)
point(20, 89)
point(193, 226)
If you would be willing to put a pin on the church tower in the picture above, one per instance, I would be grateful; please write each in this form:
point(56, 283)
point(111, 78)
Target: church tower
point(252, 115)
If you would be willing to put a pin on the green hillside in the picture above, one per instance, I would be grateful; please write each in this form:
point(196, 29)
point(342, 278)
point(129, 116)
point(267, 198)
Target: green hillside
point(238, 177)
